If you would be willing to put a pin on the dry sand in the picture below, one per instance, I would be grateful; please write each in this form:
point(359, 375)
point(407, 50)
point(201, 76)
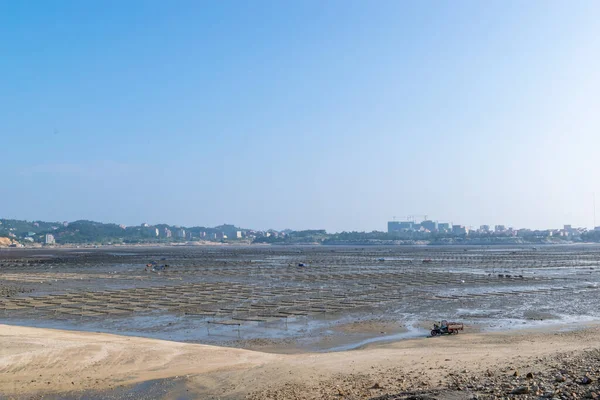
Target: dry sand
point(34, 361)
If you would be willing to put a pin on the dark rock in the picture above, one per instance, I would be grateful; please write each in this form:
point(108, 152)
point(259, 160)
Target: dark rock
point(521, 390)
point(586, 380)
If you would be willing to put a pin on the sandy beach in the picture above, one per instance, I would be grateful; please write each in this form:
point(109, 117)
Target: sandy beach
point(37, 361)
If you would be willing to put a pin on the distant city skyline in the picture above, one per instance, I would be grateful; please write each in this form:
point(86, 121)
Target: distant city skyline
point(331, 115)
point(415, 224)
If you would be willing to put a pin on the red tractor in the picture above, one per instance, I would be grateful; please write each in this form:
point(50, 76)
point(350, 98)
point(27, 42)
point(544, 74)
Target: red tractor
point(446, 328)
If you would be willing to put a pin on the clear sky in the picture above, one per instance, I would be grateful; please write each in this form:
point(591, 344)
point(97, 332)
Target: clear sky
point(300, 114)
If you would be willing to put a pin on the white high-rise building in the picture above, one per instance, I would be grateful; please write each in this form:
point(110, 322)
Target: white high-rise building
point(50, 239)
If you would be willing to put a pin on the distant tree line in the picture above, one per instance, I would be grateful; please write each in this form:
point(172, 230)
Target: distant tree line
point(84, 231)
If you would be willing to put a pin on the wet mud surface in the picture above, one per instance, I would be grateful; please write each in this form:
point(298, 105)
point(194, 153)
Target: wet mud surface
point(155, 389)
point(260, 298)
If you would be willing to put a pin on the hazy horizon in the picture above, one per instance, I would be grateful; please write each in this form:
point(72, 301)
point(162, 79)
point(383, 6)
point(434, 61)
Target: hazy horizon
point(382, 229)
point(334, 115)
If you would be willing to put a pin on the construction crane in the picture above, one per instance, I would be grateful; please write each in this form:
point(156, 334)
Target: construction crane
point(413, 218)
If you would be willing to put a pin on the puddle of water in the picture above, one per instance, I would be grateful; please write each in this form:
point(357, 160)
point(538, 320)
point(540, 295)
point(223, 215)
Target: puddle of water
point(412, 333)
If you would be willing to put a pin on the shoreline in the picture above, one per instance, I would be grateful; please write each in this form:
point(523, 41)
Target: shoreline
point(88, 246)
point(37, 361)
point(344, 336)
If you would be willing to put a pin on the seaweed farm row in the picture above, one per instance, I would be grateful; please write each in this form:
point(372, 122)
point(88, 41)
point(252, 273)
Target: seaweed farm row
point(256, 286)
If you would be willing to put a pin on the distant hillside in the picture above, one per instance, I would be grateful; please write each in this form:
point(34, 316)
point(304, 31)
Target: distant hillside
point(91, 232)
point(84, 231)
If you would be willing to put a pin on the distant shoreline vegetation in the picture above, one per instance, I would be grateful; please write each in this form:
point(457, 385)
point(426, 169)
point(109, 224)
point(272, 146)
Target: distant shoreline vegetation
point(36, 233)
point(383, 238)
point(91, 232)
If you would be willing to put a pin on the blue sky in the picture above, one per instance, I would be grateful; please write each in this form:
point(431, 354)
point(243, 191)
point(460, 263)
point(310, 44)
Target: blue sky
point(305, 114)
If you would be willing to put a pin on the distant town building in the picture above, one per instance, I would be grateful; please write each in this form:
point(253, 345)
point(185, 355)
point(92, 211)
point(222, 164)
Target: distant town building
point(418, 230)
point(122, 226)
point(444, 227)
point(431, 226)
point(156, 232)
point(145, 225)
point(181, 233)
point(406, 225)
point(393, 226)
point(50, 239)
point(65, 223)
point(167, 232)
point(238, 234)
point(402, 226)
point(460, 230)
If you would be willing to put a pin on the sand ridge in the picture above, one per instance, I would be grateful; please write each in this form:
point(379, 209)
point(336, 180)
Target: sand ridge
point(34, 360)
